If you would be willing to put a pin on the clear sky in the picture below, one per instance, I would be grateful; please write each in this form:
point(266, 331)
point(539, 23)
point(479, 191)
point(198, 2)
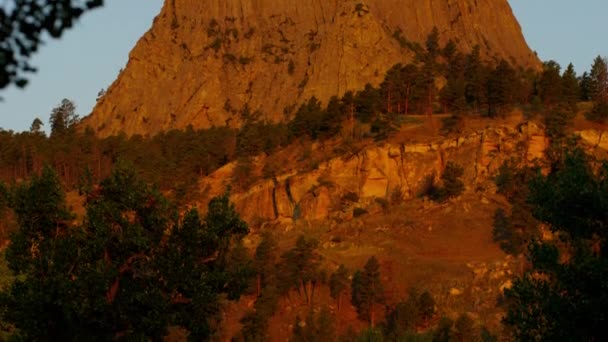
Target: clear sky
point(88, 57)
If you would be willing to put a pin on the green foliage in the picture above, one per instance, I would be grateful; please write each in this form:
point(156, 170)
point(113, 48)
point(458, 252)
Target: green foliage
point(130, 270)
point(350, 197)
point(563, 296)
point(402, 320)
point(357, 212)
point(24, 27)
point(338, 283)
point(318, 327)
point(426, 305)
point(599, 112)
point(501, 85)
point(367, 290)
point(571, 90)
point(452, 184)
point(300, 267)
point(504, 234)
point(550, 84)
point(63, 118)
point(265, 260)
point(452, 124)
point(514, 232)
point(443, 333)
point(464, 330)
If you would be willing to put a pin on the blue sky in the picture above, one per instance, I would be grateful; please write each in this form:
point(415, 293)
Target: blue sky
point(88, 58)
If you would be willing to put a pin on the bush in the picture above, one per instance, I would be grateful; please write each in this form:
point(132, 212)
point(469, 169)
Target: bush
point(452, 124)
point(452, 184)
point(428, 188)
point(502, 233)
point(382, 202)
point(359, 212)
point(350, 197)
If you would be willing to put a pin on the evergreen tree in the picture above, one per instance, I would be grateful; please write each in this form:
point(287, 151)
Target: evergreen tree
point(550, 84)
point(300, 268)
point(453, 94)
point(131, 270)
point(503, 233)
point(367, 291)
point(585, 86)
point(36, 126)
point(265, 260)
point(464, 330)
point(571, 92)
point(599, 80)
point(63, 118)
point(476, 74)
point(598, 89)
point(452, 184)
point(563, 296)
point(338, 283)
point(500, 89)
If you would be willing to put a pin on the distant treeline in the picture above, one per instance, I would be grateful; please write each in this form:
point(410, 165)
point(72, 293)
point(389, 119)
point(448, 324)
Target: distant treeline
point(440, 79)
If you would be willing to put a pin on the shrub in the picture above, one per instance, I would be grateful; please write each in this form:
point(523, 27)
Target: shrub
point(599, 112)
point(350, 197)
point(502, 233)
point(382, 202)
point(359, 212)
point(452, 124)
point(452, 184)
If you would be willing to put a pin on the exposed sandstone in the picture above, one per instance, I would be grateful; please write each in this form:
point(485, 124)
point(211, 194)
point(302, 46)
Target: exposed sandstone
point(203, 61)
point(377, 172)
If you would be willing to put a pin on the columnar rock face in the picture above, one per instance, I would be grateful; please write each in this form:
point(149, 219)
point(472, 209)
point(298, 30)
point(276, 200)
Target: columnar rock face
point(202, 62)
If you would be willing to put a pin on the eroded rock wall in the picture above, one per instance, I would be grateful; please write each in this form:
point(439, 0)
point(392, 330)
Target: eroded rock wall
point(377, 172)
point(203, 61)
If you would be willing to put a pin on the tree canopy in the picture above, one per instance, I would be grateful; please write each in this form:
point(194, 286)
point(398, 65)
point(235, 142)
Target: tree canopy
point(564, 295)
point(130, 270)
point(23, 24)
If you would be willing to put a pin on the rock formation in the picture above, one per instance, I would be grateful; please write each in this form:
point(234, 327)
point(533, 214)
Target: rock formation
point(377, 172)
point(202, 62)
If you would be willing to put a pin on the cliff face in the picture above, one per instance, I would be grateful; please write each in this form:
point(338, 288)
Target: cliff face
point(377, 172)
point(203, 61)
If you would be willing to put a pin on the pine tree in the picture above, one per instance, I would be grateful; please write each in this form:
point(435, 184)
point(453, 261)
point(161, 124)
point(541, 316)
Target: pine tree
point(130, 270)
point(300, 267)
point(338, 282)
point(563, 296)
point(550, 84)
point(571, 92)
point(265, 260)
point(367, 291)
point(598, 89)
point(36, 126)
point(599, 80)
point(63, 118)
point(500, 89)
point(476, 75)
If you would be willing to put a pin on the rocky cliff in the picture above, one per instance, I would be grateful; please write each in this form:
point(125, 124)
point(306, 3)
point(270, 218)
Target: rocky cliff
point(203, 61)
point(378, 172)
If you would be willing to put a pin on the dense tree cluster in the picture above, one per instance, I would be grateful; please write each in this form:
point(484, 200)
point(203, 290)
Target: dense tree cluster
point(130, 270)
point(514, 231)
point(563, 296)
